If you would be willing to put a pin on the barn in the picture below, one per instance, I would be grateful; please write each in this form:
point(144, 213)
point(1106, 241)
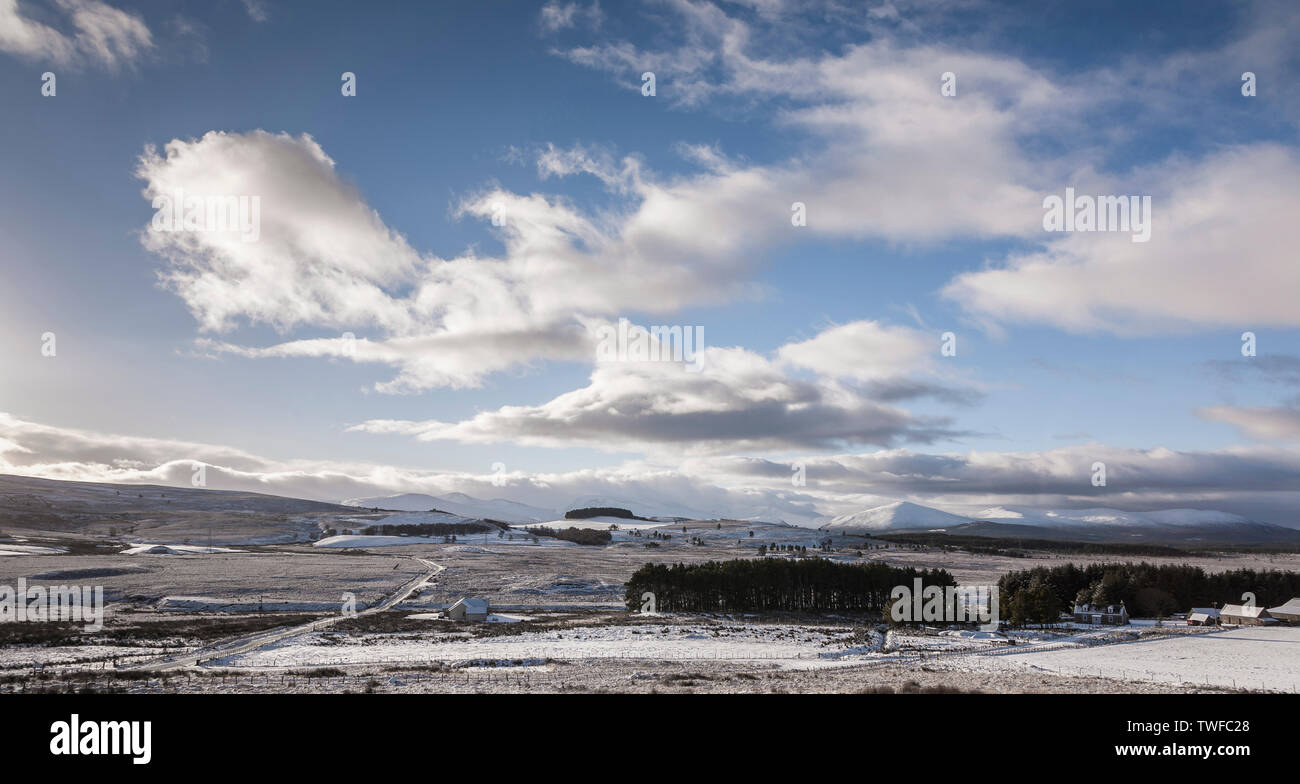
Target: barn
point(1245, 615)
point(1287, 613)
point(467, 609)
point(1203, 616)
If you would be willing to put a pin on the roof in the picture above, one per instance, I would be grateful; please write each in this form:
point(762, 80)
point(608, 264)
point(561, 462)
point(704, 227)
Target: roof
point(1210, 611)
point(1290, 608)
point(1101, 609)
point(1200, 617)
point(471, 605)
point(1242, 611)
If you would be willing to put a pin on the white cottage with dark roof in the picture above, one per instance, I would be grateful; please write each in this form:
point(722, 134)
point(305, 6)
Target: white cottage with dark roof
point(1101, 614)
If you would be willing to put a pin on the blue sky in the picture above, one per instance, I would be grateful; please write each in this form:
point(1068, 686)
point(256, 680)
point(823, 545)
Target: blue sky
point(474, 341)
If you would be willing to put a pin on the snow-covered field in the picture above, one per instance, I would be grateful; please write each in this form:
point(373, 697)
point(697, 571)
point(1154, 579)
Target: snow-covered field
point(596, 523)
point(175, 549)
point(27, 656)
point(1255, 658)
point(29, 549)
point(360, 541)
point(787, 645)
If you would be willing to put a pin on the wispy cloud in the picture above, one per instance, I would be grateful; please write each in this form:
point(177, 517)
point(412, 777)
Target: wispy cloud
point(87, 31)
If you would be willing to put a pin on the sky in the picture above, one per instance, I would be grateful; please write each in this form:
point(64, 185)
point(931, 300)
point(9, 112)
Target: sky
point(844, 205)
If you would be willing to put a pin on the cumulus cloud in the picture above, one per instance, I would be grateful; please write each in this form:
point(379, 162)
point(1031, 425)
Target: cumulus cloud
point(728, 399)
point(89, 31)
point(881, 158)
point(886, 156)
point(1219, 255)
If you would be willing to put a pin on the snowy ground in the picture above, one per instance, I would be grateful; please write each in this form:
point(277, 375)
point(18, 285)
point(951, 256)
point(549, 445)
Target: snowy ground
point(360, 541)
point(788, 645)
point(597, 523)
point(1255, 658)
point(531, 585)
point(29, 549)
point(174, 549)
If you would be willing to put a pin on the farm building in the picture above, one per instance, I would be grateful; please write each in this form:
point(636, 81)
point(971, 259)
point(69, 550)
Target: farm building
point(1287, 613)
point(1244, 615)
point(467, 609)
point(1203, 616)
point(1098, 615)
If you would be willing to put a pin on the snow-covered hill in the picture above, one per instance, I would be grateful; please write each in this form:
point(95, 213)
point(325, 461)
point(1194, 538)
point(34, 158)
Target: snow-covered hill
point(898, 515)
point(459, 504)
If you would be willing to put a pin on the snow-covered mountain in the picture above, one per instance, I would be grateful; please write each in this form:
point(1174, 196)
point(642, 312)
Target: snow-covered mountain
point(783, 515)
point(459, 504)
point(898, 515)
point(404, 502)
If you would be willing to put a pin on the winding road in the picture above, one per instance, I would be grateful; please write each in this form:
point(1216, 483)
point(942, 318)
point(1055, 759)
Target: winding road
point(251, 642)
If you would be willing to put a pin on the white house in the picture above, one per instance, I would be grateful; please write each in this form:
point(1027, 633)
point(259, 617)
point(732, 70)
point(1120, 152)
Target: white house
point(1099, 615)
point(467, 609)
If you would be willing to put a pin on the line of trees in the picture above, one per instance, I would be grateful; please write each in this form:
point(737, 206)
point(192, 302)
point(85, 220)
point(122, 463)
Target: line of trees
point(1016, 547)
point(600, 511)
point(587, 536)
point(1147, 590)
point(767, 584)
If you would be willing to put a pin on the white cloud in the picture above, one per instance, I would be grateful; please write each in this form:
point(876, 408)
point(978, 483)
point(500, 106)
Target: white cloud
point(1220, 255)
point(863, 350)
point(735, 400)
point(556, 15)
point(1271, 423)
point(99, 32)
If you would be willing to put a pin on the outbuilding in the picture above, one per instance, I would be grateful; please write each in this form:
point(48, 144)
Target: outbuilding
point(1203, 616)
point(1245, 615)
point(1287, 613)
point(467, 609)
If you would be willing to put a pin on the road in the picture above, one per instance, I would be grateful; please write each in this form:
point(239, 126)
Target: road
point(251, 642)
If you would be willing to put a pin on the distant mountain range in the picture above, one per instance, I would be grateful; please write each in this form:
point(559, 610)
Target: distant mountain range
point(1165, 526)
point(96, 507)
point(514, 512)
